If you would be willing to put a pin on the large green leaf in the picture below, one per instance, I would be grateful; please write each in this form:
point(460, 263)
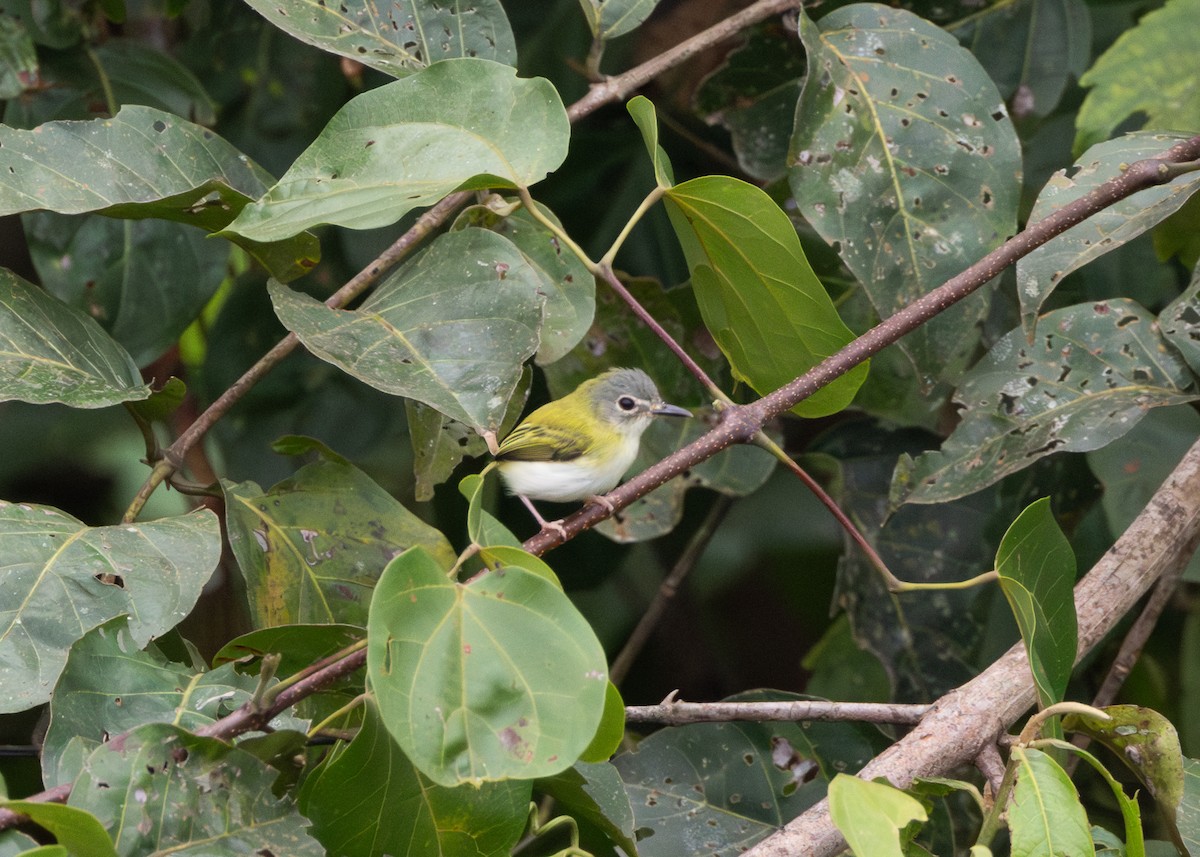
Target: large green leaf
point(872, 815)
point(1044, 814)
point(1088, 378)
point(141, 163)
point(457, 125)
point(451, 328)
point(61, 578)
point(1140, 74)
point(145, 281)
point(367, 799)
point(159, 790)
point(904, 158)
point(1030, 48)
point(397, 38)
point(761, 301)
point(611, 18)
point(52, 353)
point(1037, 574)
point(1039, 272)
point(595, 793)
point(313, 547)
point(74, 828)
point(108, 687)
point(499, 678)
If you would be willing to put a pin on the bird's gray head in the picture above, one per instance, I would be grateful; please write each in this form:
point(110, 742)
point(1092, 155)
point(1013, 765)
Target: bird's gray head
point(628, 400)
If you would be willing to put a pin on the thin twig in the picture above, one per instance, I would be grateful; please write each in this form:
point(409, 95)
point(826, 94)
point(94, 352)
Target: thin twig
point(678, 713)
point(667, 589)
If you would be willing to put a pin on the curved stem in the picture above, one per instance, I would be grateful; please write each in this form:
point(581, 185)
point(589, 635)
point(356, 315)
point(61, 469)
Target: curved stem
point(646, 204)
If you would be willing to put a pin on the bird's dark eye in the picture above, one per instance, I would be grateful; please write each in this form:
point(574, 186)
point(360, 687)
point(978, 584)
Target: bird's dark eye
point(626, 403)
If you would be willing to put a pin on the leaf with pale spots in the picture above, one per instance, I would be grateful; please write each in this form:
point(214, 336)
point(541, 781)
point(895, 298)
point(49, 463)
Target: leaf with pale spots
point(451, 328)
point(498, 678)
point(1091, 374)
point(905, 160)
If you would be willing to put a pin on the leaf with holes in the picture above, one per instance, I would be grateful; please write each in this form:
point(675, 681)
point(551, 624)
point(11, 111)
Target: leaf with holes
point(62, 578)
point(1090, 376)
point(397, 38)
point(904, 158)
point(461, 124)
point(499, 678)
point(312, 548)
point(1043, 269)
point(452, 328)
point(50, 352)
point(142, 163)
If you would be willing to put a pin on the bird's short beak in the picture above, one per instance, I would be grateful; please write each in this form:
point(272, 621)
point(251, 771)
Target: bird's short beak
point(662, 409)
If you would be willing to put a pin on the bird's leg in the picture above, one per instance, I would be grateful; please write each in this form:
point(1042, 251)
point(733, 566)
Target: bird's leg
point(546, 525)
point(603, 501)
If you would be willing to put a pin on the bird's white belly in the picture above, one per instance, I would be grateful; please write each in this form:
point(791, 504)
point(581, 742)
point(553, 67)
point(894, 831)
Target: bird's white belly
point(565, 481)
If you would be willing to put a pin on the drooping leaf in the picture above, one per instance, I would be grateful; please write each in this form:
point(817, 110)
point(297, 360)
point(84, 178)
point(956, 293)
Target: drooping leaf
point(611, 731)
point(190, 791)
point(717, 788)
point(1180, 323)
point(62, 578)
point(595, 793)
point(1037, 574)
point(1031, 49)
point(483, 528)
point(397, 38)
point(142, 162)
point(641, 109)
point(1044, 814)
point(1148, 54)
point(904, 158)
point(1131, 813)
point(569, 287)
point(451, 328)
point(108, 687)
point(458, 125)
point(495, 679)
point(313, 547)
point(50, 352)
point(1090, 375)
point(404, 812)
point(1043, 269)
point(162, 402)
point(611, 18)
point(872, 815)
point(761, 301)
point(145, 281)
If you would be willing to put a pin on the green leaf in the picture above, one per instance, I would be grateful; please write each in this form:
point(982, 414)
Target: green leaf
point(717, 788)
point(569, 287)
point(1180, 322)
point(137, 73)
point(313, 547)
point(1188, 817)
point(162, 402)
point(62, 578)
point(1039, 272)
point(190, 791)
point(1037, 574)
point(52, 353)
point(1030, 48)
point(108, 687)
point(145, 281)
point(761, 301)
point(483, 528)
point(298, 646)
point(451, 328)
point(1146, 742)
point(141, 163)
point(1140, 74)
point(397, 38)
point(16, 844)
point(1091, 375)
point(642, 111)
point(18, 59)
point(499, 678)
point(75, 829)
point(53, 24)
point(595, 793)
point(367, 799)
point(611, 731)
point(1131, 813)
point(905, 160)
point(1044, 814)
point(872, 815)
point(611, 18)
point(461, 124)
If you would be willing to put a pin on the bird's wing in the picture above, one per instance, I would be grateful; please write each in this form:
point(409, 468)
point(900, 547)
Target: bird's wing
point(541, 443)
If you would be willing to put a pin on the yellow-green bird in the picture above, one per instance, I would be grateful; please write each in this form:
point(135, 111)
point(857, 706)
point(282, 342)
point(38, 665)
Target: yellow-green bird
point(580, 446)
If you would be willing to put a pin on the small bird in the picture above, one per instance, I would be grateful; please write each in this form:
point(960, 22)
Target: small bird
point(580, 446)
